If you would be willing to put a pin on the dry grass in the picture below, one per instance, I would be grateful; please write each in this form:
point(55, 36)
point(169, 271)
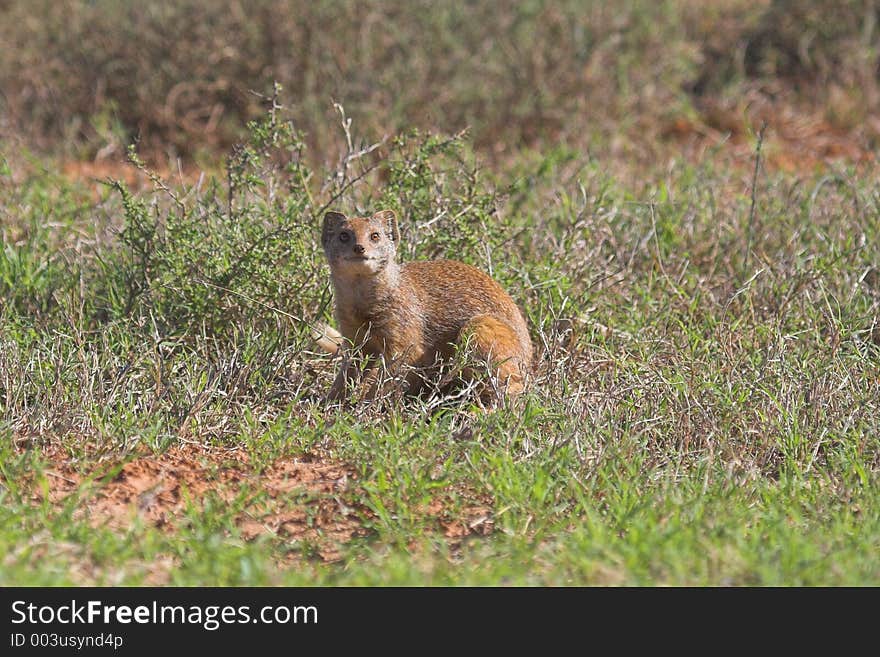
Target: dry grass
point(705, 408)
point(623, 80)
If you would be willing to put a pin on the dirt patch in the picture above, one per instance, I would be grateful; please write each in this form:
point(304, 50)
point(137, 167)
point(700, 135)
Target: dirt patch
point(472, 519)
point(309, 501)
point(296, 499)
point(798, 139)
point(95, 175)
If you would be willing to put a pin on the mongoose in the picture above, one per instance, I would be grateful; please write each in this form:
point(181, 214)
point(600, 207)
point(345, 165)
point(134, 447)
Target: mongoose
point(417, 314)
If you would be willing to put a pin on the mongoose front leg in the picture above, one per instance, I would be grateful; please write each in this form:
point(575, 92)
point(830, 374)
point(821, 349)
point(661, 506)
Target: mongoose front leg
point(347, 370)
point(381, 371)
point(368, 379)
point(372, 381)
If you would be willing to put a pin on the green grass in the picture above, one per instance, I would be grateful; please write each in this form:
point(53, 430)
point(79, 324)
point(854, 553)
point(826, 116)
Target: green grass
point(620, 523)
point(707, 421)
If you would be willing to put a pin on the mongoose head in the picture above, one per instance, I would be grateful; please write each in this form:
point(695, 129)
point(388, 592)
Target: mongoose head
point(360, 246)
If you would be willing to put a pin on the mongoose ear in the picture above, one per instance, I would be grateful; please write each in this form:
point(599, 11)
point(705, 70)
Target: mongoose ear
point(388, 218)
point(332, 222)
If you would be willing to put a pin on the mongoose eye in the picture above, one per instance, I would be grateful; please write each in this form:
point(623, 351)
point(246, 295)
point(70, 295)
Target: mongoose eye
point(374, 237)
point(343, 237)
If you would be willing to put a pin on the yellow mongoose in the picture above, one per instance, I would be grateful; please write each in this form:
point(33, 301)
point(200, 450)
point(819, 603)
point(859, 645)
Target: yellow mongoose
point(417, 314)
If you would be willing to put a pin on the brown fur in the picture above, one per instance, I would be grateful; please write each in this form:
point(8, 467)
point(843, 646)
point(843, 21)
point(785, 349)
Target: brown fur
point(417, 314)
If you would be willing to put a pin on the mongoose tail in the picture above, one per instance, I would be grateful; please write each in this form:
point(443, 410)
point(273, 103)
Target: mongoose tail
point(328, 338)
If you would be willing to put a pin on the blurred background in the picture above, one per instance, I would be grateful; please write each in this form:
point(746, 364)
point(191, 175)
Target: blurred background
point(631, 80)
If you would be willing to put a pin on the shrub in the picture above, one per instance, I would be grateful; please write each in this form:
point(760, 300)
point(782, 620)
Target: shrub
point(245, 251)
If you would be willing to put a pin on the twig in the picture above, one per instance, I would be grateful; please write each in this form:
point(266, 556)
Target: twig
point(59, 476)
point(135, 160)
point(748, 252)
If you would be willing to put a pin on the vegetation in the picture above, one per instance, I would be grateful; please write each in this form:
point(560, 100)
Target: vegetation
point(177, 75)
point(704, 293)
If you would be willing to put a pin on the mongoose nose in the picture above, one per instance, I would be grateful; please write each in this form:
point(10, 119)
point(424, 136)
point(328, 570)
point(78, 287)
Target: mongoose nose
point(358, 248)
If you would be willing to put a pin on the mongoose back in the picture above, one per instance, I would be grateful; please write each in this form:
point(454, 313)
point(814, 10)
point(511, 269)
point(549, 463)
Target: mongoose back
point(417, 314)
